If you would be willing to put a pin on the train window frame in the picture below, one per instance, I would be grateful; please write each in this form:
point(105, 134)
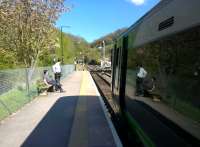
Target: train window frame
point(120, 66)
point(123, 70)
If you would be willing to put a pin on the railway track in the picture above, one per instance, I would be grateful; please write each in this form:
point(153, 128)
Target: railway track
point(103, 86)
point(103, 82)
point(105, 78)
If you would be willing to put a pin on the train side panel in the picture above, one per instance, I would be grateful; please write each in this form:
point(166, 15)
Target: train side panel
point(167, 43)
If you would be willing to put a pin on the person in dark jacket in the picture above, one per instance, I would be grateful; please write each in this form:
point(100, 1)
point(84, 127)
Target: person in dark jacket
point(50, 82)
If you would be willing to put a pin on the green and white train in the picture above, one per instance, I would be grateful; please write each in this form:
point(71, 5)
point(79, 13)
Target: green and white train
point(166, 41)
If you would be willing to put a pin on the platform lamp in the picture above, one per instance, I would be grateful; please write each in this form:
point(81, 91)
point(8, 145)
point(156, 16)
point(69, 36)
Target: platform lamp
point(61, 41)
point(104, 50)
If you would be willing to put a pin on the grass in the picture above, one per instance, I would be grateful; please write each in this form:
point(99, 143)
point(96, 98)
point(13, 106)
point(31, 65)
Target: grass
point(3, 112)
point(13, 100)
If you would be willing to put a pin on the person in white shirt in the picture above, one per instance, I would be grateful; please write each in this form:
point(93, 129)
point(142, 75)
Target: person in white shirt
point(57, 71)
point(141, 74)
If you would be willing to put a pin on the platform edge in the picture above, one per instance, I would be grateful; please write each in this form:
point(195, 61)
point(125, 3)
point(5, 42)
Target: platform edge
point(110, 124)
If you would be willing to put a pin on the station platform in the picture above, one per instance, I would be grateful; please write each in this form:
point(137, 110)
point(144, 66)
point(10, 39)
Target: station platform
point(75, 118)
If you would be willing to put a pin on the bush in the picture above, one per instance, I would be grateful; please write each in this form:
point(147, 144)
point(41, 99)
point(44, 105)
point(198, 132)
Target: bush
point(41, 86)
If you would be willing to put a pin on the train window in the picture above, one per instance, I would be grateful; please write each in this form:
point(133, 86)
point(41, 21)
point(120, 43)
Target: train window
point(115, 60)
point(123, 71)
point(117, 56)
point(116, 66)
point(119, 67)
point(114, 52)
point(173, 63)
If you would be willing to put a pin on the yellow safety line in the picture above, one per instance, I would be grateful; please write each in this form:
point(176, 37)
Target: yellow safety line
point(84, 83)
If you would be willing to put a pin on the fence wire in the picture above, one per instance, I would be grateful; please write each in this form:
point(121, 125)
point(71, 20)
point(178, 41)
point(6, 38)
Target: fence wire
point(18, 86)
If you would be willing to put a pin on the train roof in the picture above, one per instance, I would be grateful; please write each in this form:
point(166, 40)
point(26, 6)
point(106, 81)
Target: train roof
point(156, 8)
point(167, 18)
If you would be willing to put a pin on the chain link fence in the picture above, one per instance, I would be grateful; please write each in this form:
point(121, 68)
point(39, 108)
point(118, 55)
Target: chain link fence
point(18, 86)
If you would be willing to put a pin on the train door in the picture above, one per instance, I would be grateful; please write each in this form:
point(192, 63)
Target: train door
point(119, 71)
point(113, 62)
point(116, 74)
point(115, 69)
point(123, 68)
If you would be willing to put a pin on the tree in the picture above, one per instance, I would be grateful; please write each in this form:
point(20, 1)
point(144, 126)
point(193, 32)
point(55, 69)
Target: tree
point(27, 28)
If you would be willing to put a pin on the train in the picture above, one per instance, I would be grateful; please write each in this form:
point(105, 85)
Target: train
point(166, 43)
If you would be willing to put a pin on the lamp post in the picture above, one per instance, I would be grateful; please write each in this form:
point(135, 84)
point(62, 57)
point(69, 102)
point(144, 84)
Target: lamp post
point(104, 50)
point(61, 41)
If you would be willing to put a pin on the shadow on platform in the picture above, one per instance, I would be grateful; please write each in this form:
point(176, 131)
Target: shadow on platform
point(55, 128)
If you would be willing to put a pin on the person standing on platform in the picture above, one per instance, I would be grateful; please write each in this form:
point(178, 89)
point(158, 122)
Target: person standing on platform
point(75, 62)
point(57, 71)
point(142, 73)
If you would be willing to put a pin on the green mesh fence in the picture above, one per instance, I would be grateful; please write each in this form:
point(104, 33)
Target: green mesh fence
point(18, 86)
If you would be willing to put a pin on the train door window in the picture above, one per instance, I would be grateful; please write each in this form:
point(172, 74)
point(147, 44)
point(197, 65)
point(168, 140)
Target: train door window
point(119, 67)
point(113, 64)
point(123, 71)
point(117, 56)
point(116, 66)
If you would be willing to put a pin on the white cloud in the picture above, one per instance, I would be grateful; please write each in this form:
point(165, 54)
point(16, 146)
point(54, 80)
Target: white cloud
point(137, 2)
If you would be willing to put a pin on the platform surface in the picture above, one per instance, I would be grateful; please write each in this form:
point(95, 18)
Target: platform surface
point(76, 118)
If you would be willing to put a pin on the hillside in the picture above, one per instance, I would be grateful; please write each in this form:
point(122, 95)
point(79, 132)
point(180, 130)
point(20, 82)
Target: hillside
point(108, 39)
point(73, 47)
point(76, 47)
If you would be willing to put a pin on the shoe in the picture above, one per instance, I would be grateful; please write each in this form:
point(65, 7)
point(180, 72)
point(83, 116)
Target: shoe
point(61, 91)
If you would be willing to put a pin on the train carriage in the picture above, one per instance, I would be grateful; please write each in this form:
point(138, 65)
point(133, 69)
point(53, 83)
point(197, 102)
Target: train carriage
point(166, 41)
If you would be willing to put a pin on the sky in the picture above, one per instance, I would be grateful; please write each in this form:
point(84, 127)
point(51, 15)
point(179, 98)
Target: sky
point(92, 19)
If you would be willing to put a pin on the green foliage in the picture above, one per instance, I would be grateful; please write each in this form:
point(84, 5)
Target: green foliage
point(28, 36)
point(12, 101)
point(41, 86)
point(3, 112)
point(75, 47)
point(7, 59)
point(109, 41)
point(93, 55)
point(27, 30)
point(108, 50)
